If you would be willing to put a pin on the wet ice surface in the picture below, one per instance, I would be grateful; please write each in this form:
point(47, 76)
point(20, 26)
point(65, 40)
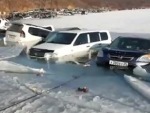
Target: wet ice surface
point(108, 91)
point(9, 52)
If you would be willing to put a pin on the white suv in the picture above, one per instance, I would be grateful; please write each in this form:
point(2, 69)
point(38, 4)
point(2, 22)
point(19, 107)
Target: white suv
point(69, 45)
point(25, 34)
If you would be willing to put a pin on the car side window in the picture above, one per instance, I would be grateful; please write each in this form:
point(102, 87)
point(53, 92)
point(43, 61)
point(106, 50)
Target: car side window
point(94, 37)
point(34, 31)
point(43, 33)
point(38, 32)
point(82, 39)
point(49, 28)
point(104, 36)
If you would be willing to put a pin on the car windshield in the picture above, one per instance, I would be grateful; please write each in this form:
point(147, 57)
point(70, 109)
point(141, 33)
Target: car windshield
point(60, 38)
point(133, 44)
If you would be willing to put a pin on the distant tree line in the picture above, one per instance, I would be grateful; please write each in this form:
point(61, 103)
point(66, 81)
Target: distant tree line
point(22, 5)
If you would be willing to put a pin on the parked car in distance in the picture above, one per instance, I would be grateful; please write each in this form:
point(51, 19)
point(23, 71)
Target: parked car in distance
point(84, 12)
point(3, 24)
point(25, 34)
point(125, 51)
point(69, 45)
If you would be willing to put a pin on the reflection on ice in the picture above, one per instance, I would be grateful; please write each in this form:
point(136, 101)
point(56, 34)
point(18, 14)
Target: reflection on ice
point(8, 66)
point(10, 51)
point(141, 72)
point(139, 85)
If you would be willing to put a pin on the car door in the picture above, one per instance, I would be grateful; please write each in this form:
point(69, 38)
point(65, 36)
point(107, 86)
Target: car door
point(81, 46)
point(94, 41)
point(32, 37)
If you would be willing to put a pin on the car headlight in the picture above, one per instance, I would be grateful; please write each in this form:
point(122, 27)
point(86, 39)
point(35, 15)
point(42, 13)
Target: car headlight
point(100, 53)
point(143, 60)
point(48, 56)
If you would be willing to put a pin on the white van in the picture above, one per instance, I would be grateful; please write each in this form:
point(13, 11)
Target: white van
point(25, 34)
point(69, 45)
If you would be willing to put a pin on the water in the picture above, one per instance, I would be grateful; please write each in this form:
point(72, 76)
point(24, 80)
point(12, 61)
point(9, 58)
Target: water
point(108, 84)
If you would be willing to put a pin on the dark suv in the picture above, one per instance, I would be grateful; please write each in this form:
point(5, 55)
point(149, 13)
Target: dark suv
point(125, 51)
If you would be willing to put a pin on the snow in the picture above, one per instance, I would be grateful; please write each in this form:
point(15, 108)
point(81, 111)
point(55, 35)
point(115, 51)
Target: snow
point(130, 21)
point(56, 91)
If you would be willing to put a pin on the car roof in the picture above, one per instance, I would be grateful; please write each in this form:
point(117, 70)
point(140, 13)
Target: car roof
point(67, 29)
point(31, 25)
point(134, 37)
point(83, 31)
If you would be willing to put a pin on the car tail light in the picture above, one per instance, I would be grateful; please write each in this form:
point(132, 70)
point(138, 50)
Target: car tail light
point(22, 34)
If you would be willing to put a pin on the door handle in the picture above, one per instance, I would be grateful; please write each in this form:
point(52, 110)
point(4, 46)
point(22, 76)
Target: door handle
point(87, 46)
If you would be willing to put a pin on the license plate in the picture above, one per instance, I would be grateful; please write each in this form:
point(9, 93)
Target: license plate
point(11, 36)
point(118, 63)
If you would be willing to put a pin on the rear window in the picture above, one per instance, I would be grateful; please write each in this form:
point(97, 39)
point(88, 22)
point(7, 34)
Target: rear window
point(15, 27)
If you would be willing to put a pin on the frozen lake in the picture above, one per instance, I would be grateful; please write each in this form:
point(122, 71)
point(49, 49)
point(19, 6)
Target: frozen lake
point(108, 91)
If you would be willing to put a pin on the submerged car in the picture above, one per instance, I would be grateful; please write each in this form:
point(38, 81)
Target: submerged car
point(125, 51)
point(25, 34)
point(68, 45)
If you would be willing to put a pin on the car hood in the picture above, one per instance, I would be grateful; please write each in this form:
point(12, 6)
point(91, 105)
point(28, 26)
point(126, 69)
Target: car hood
point(50, 46)
point(128, 53)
